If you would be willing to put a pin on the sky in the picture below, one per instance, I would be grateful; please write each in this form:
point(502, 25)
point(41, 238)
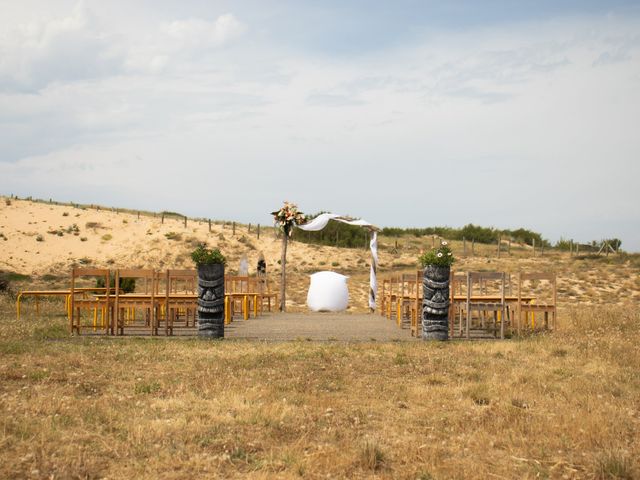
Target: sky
point(407, 113)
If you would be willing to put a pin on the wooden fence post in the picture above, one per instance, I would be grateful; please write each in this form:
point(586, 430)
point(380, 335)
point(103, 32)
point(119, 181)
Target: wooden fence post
point(499, 242)
point(534, 247)
point(209, 225)
point(234, 228)
point(473, 247)
point(509, 247)
point(185, 221)
point(162, 219)
point(258, 231)
point(249, 229)
point(464, 246)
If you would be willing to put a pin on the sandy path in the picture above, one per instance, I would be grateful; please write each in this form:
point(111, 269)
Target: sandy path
point(318, 326)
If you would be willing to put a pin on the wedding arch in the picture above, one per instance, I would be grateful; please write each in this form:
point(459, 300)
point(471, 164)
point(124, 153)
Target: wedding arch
point(321, 222)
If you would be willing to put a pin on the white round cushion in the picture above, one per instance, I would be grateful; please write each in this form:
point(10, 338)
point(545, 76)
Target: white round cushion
point(328, 292)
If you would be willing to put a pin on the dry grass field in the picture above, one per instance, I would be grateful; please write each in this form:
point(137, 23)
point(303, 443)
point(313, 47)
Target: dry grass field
point(561, 405)
point(557, 405)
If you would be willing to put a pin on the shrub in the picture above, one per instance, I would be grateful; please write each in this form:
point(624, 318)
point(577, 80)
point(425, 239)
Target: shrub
point(106, 237)
point(173, 236)
point(65, 214)
point(127, 285)
point(336, 234)
point(7, 202)
point(205, 256)
point(39, 238)
point(441, 256)
point(83, 239)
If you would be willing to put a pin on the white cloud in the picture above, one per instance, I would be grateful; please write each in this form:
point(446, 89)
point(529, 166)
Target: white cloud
point(70, 48)
point(188, 44)
point(197, 33)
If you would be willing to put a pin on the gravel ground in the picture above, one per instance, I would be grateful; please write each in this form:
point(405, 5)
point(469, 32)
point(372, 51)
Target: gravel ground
point(318, 326)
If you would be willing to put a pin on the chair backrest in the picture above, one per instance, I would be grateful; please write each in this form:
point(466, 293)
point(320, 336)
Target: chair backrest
point(458, 283)
point(187, 279)
point(486, 283)
point(540, 277)
point(148, 275)
point(236, 283)
point(91, 272)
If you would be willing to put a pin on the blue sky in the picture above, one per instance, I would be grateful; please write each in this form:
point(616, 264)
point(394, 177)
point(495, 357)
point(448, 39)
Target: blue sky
point(425, 113)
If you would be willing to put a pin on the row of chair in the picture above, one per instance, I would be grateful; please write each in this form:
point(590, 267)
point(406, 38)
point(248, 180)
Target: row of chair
point(480, 302)
point(161, 302)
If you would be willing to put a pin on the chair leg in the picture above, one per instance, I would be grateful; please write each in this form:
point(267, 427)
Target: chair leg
point(468, 323)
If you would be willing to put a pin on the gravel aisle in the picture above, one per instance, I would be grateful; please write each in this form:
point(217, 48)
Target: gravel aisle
point(318, 326)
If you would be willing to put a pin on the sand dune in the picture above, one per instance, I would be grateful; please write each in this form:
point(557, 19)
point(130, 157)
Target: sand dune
point(46, 240)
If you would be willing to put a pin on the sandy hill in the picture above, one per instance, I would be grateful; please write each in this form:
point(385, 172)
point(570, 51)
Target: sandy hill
point(45, 240)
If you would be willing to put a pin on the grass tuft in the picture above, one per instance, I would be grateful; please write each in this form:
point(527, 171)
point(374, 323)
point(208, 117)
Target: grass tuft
point(614, 465)
point(371, 456)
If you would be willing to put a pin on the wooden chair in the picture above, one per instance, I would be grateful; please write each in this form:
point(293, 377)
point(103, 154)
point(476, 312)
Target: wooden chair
point(180, 299)
point(235, 288)
point(385, 296)
point(125, 305)
point(457, 301)
point(416, 303)
point(247, 294)
point(94, 303)
point(263, 295)
point(391, 295)
point(546, 305)
point(486, 302)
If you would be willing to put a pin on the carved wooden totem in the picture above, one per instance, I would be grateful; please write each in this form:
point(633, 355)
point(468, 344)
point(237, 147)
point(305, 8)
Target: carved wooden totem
point(211, 301)
point(435, 303)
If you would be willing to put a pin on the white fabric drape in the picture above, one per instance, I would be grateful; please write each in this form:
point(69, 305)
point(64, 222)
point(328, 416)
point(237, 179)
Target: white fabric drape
point(373, 281)
point(322, 220)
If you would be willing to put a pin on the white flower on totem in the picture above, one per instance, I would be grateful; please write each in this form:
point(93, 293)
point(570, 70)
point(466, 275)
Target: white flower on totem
point(439, 254)
point(445, 243)
point(449, 254)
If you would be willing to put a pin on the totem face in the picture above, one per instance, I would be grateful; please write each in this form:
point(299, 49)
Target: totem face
point(436, 299)
point(210, 296)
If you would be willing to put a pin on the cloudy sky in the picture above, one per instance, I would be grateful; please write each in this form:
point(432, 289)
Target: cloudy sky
point(406, 113)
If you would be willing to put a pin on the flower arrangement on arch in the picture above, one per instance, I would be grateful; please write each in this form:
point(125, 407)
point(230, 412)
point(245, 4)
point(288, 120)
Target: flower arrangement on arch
point(287, 217)
point(441, 256)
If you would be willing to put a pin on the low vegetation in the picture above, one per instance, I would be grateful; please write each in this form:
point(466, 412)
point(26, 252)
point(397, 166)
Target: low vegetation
point(471, 232)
